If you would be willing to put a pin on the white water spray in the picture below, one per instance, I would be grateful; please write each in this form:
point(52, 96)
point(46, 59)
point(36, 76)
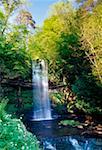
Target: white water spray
point(42, 109)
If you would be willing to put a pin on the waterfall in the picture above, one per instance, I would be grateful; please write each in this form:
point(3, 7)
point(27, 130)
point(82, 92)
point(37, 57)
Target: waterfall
point(42, 109)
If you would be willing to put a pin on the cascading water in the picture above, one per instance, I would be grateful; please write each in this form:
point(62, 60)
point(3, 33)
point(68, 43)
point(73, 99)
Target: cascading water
point(42, 109)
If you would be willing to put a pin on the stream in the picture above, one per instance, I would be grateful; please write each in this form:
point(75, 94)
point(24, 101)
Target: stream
point(52, 136)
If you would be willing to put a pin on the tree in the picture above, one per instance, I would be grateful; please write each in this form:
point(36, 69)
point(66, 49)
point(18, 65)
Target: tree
point(14, 57)
point(57, 39)
point(91, 26)
point(25, 18)
point(62, 41)
point(8, 7)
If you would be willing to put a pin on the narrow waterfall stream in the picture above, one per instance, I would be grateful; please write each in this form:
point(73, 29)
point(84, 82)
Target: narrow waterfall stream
point(42, 109)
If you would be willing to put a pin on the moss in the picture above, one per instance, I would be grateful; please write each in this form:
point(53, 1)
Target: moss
point(69, 122)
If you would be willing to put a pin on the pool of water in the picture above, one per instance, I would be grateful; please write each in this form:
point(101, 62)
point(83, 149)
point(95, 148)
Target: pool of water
point(52, 136)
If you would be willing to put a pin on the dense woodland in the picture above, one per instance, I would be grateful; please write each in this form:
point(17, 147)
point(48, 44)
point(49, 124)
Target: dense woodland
point(70, 41)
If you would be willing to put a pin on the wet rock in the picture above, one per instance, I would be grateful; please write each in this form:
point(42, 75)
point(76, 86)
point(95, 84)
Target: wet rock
point(97, 132)
point(86, 124)
point(80, 127)
point(99, 127)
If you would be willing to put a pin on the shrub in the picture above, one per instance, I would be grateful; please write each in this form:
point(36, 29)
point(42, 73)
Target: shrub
point(13, 134)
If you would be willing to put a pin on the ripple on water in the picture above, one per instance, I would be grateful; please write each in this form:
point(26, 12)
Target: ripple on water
point(71, 143)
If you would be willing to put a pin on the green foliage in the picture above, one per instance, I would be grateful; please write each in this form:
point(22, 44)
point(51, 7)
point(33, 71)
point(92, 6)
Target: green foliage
point(14, 59)
point(91, 30)
point(26, 98)
point(56, 97)
point(79, 105)
point(57, 41)
point(25, 18)
point(58, 102)
point(3, 104)
point(80, 53)
point(13, 134)
point(70, 41)
point(8, 9)
point(86, 107)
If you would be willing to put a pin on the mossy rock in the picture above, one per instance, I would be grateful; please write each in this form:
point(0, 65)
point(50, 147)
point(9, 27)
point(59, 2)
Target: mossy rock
point(70, 123)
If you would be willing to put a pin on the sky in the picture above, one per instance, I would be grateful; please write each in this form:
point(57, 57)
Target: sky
point(40, 8)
